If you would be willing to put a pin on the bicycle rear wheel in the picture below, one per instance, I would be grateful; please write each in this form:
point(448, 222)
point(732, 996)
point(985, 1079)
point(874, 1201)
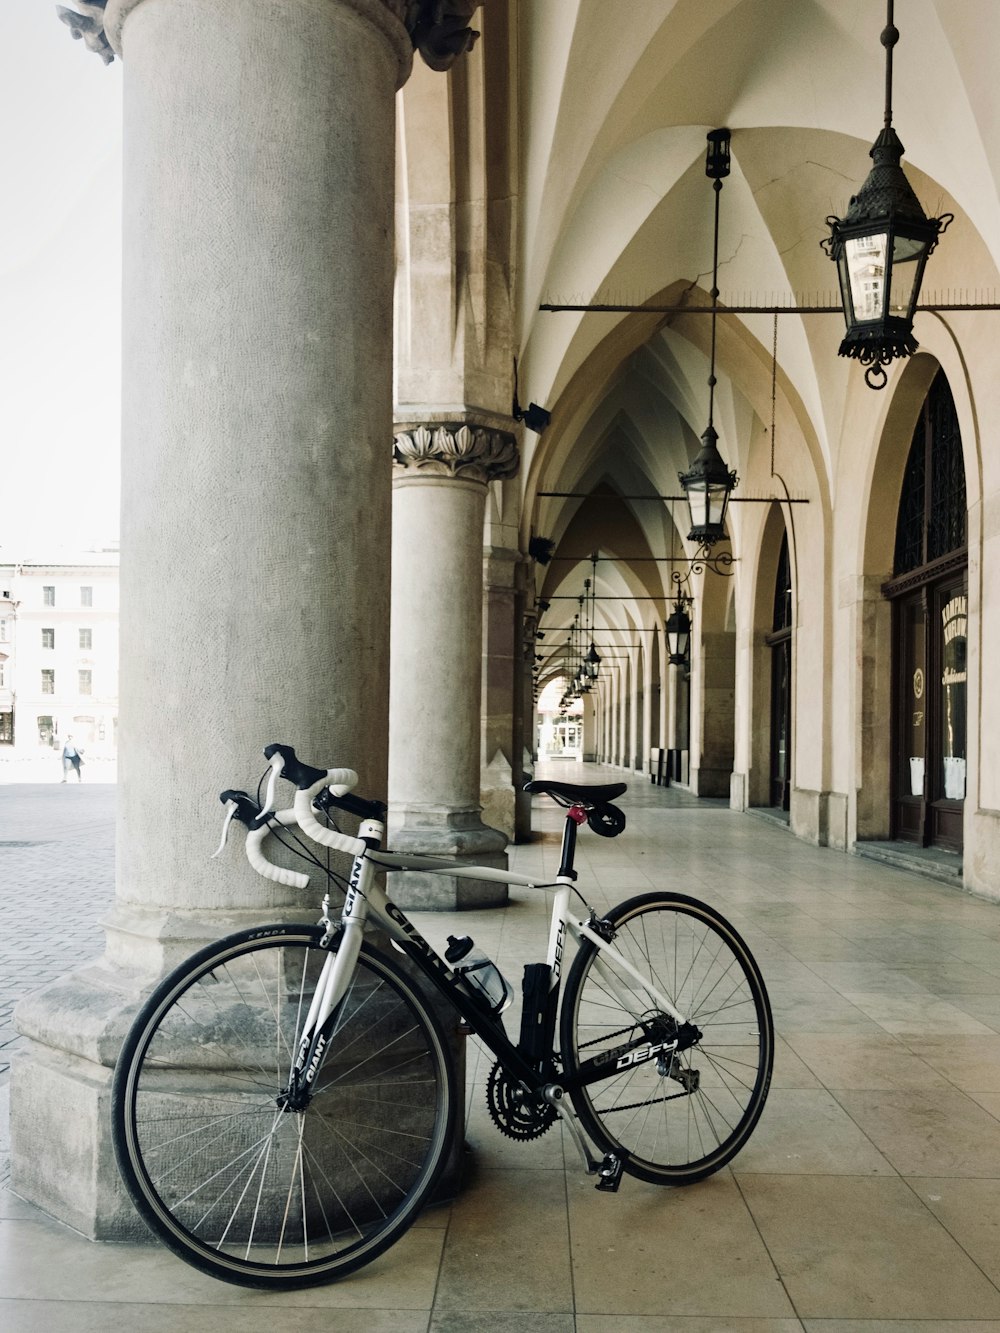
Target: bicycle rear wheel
point(232, 1182)
point(673, 1118)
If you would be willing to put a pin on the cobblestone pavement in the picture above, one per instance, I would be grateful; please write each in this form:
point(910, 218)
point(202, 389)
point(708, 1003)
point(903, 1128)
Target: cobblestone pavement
point(56, 886)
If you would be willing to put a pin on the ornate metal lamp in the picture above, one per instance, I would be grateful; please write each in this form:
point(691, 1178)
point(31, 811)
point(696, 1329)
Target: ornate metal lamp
point(708, 483)
point(678, 628)
point(880, 249)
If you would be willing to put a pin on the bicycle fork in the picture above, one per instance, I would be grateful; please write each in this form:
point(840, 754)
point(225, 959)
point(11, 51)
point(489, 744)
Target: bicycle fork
point(320, 1025)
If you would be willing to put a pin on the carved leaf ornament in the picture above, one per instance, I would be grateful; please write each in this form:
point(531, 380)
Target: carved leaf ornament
point(439, 29)
point(459, 450)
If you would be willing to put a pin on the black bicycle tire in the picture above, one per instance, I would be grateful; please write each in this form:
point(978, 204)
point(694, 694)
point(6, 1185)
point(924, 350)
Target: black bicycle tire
point(635, 1163)
point(129, 1152)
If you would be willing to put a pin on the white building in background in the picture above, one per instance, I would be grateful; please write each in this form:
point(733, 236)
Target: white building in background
point(59, 653)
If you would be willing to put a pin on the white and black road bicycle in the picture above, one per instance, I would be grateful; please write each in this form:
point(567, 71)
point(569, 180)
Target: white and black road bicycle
point(285, 1101)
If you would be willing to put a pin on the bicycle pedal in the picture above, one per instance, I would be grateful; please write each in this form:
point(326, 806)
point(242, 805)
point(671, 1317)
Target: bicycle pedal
point(609, 1174)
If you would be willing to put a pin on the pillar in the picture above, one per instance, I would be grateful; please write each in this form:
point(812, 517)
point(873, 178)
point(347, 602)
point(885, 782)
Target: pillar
point(501, 759)
point(650, 722)
point(440, 478)
point(257, 335)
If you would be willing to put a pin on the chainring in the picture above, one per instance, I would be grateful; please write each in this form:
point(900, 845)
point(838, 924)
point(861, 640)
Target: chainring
point(511, 1111)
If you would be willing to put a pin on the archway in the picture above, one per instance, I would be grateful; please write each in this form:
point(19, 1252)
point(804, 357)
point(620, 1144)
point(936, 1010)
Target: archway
point(929, 596)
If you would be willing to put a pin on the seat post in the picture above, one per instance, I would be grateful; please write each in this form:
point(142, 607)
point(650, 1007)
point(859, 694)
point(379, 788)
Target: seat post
point(574, 815)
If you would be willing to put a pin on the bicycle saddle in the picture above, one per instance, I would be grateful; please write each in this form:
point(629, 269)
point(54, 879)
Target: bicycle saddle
point(576, 793)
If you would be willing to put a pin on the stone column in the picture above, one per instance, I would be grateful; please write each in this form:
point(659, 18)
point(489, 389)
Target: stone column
point(503, 600)
point(613, 709)
point(524, 704)
point(624, 722)
point(440, 479)
point(257, 334)
point(648, 704)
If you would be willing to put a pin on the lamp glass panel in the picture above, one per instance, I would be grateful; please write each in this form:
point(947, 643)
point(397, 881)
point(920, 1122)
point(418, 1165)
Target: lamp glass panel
point(677, 642)
point(698, 503)
point(906, 270)
point(866, 265)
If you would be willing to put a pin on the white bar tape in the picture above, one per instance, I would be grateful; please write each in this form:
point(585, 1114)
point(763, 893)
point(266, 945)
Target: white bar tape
point(294, 878)
point(340, 780)
point(308, 822)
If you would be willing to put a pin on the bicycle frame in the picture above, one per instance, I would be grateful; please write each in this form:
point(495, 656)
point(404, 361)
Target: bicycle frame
point(366, 899)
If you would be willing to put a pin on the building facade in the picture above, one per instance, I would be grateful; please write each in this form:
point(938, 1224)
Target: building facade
point(59, 653)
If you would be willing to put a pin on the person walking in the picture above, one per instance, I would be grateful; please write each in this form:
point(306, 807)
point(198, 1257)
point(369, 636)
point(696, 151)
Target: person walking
point(72, 759)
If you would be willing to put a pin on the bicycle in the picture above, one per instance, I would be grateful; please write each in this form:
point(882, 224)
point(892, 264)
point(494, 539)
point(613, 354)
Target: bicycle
point(285, 1100)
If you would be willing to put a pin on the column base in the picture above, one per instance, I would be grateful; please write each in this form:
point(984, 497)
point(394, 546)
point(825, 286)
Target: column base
point(458, 834)
point(498, 797)
point(62, 1158)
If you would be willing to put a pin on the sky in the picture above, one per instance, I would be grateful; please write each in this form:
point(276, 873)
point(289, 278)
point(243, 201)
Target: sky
point(60, 286)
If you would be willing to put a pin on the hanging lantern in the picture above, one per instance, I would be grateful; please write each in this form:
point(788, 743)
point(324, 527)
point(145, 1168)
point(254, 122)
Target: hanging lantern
point(880, 248)
point(708, 484)
point(678, 628)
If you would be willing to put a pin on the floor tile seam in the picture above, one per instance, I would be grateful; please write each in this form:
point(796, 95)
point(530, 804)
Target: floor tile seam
point(832, 1093)
point(908, 1181)
point(569, 1228)
point(767, 1249)
point(888, 1160)
point(810, 967)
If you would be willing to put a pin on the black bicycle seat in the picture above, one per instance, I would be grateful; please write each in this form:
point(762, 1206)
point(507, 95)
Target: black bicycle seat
point(576, 793)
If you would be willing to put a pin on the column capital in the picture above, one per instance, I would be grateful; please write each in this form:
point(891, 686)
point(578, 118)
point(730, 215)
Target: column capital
point(86, 24)
point(455, 449)
point(438, 29)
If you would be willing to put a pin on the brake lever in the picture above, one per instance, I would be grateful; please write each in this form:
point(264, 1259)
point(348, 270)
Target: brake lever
point(276, 763)
point(239, 805)
point(231, 808)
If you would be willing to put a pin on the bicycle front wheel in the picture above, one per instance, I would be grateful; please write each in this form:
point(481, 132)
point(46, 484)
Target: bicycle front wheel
point(218, 1166)
point(673, 1116)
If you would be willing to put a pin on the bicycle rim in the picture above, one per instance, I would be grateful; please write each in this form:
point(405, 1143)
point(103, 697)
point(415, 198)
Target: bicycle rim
point(674, 1118)
point(236, 1185)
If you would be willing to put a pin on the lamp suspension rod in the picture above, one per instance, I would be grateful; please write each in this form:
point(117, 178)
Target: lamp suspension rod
point(633, 560)
point(625, 308)
point(890, 36)
point(613, 597)
point(717, 187)
point(733, 500)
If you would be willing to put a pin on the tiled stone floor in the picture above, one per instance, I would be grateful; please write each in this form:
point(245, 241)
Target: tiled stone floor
point(868, 1200)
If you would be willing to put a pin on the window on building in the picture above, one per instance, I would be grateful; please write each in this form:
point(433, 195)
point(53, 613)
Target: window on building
point(6, 728)
point(3, 630)
point(3, 681)
point(86, 597)
point(86, 682)
point(46, 731)
point(48, 638)
point(48, 681)
point(86, 639)
point(48, 595)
